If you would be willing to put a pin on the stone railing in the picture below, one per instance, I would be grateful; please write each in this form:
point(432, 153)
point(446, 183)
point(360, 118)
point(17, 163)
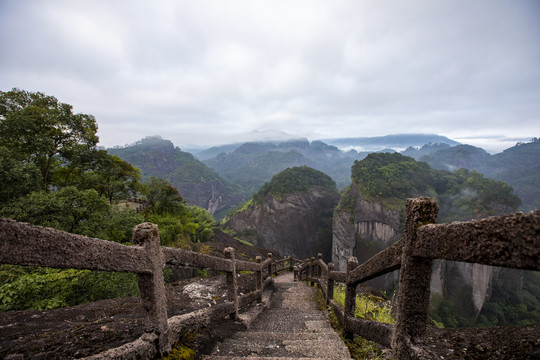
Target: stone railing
point(511, 241)
point(24, 244)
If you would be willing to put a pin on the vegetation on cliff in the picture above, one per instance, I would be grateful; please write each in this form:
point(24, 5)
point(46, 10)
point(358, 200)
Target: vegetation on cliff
point(462, 194)
point(295, 180)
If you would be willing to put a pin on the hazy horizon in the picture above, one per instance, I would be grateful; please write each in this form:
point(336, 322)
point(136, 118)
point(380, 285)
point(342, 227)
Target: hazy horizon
point(209, 72)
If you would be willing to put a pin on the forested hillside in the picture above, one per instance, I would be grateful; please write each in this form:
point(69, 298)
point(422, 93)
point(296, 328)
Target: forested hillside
point(198, 184)
point(518, 166)
point(53, 175)
point(252, 164)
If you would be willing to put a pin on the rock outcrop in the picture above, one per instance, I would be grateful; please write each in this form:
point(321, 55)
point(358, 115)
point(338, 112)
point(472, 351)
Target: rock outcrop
point(367, 227)
point(363, 230)
point(297, 224)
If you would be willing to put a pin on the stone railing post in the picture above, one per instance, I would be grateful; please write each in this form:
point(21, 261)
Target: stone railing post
point(319, 267)
point(232, 287)
point(259, 279)
point(311, 270)
point(270, 264)
point(152, 286)
point(414, 280)
point(329, 284)
point(350, 297)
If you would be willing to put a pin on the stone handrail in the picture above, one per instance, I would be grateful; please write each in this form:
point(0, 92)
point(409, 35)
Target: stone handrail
point(509, 241)
point(29, 245)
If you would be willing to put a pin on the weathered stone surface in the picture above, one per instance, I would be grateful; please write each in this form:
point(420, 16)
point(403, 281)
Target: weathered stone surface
point(385, 261)
point(511, 240)
point(25, 244)
point(414, 279)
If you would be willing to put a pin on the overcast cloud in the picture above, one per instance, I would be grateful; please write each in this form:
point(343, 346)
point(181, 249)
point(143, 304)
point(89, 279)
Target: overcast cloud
point(206, 72)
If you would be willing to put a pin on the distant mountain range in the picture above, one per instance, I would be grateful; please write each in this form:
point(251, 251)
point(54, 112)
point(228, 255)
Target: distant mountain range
point(396, 142)
point(221, 177)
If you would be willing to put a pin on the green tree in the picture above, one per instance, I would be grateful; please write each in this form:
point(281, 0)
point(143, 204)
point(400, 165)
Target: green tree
point(17, 178)
point(68, 209)
point(43, 131)
point(163, 198)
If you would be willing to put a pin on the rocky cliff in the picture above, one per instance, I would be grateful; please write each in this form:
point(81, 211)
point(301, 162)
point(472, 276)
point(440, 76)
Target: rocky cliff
point(292, 214)
point(370, 216)
point(371, 227)
point(297, 225)
point(363, 228)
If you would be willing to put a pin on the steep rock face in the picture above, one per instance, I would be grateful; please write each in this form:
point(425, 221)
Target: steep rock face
point(368, 229)
point(463, 282)
point(297, 224)
point(371, 227)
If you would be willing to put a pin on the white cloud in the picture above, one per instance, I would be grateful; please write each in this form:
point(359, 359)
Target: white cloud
point(200, 72)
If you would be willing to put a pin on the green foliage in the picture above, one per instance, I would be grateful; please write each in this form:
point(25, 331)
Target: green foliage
point(44, 132)
point(179, 225)
point(45, 288)
point(510, 304)
point(292, 180)
point(368, 307)
point(359, 347)
point(17, 178)
point(205, 223)
point(68, 209)
point(159, 158)
point(392, 178)
point(120, 224)
point(461, 194)
point(467, 194)
point(183, 349)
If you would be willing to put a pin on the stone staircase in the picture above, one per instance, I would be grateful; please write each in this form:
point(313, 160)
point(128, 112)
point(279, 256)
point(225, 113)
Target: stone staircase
point(290, 328)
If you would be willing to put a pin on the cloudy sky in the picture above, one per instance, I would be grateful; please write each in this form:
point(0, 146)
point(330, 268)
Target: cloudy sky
point(209, 72)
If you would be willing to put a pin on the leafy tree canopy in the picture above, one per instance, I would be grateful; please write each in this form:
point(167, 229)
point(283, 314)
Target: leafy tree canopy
point(296, 179)
point(43, 131)
point(462, 194)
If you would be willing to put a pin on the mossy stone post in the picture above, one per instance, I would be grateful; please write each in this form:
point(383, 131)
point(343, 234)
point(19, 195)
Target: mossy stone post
point(414, 280)
point(270, 265)
point(319, 271)
point(330, 284)
point(232, 287)
point(311, 270)
point(350, 298)
point(259, 279)
point(152, 286)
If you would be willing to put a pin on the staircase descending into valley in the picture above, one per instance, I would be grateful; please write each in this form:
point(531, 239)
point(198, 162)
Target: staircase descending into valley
point(290, 328)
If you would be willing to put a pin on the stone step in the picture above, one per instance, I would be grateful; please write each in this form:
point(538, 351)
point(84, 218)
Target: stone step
point(280, 336)
point(331, 348)
point(210, 357)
